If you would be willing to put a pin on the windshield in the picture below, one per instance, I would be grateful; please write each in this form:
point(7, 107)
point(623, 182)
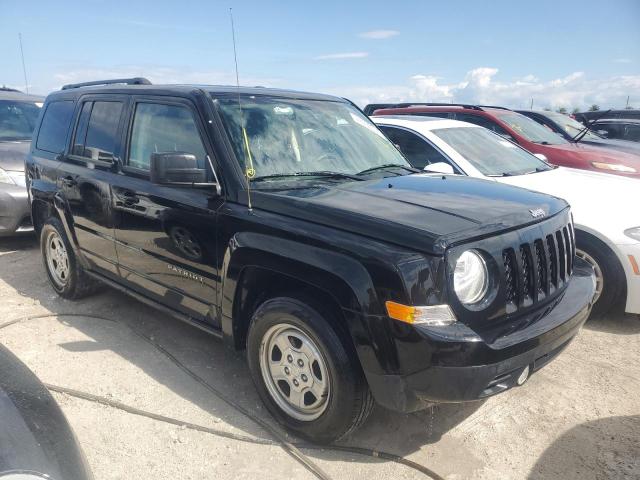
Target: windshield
point(17, 120)
point(530, 129)
point(571, 126)
point(286, 137)
point(489, 153)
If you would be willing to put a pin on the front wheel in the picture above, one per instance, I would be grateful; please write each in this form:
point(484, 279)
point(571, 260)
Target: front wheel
point(304, 374)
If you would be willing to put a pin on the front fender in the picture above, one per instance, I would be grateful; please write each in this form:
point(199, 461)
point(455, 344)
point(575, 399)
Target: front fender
point(341, 276)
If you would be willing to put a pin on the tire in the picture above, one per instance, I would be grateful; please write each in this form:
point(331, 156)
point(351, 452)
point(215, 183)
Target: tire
point(611, 280)
point(66, 275)
point(333, 398)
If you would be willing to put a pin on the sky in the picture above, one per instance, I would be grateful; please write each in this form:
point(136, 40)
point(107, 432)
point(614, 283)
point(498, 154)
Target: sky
point(568, 54)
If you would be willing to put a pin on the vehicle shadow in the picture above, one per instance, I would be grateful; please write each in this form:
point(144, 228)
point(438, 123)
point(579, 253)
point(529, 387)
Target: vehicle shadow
point(219, 366)
point(604, 448)
point(615, 323)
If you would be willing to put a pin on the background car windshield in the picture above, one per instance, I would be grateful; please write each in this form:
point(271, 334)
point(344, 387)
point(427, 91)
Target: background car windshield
point(17, 120)
point(489, 153)
point(530, 129)
point(571, 126)
point(288, 136)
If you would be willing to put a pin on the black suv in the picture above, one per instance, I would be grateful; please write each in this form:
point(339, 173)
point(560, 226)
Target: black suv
point(288, 224)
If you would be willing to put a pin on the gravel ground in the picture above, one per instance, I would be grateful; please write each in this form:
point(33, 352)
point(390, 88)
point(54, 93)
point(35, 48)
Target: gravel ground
point(578, 418)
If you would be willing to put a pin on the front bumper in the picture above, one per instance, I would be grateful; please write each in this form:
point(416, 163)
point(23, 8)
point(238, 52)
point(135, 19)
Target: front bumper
point(15, 214)
point(474, 369)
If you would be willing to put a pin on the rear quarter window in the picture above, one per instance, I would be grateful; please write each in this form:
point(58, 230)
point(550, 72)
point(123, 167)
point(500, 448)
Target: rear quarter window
point(55, 124)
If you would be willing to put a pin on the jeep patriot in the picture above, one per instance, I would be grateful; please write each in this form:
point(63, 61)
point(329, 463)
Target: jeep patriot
point(288, 225)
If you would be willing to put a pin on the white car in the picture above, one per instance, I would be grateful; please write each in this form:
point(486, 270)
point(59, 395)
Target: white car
point(605, 207)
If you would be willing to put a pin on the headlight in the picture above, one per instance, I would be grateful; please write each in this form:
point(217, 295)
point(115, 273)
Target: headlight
point(633, 233)
point(616, 167)
point(5, 177)
point(470, 278)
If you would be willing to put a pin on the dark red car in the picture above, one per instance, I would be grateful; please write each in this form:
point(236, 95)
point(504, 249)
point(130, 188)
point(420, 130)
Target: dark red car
point(525, 132)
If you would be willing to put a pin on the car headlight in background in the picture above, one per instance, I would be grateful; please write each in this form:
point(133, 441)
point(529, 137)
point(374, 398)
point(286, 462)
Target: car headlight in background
point(12, 177)
point(6, 178)
point(470, 278)
point(633, 233)
point(615, 167)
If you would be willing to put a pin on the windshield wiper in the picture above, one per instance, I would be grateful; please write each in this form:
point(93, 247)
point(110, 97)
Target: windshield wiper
point(582, 133)
point(320, 173)
point(503, 174)
point(389, 165)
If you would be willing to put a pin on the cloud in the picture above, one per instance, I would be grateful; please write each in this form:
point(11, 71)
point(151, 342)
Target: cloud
point(622, 60)
point(341, 56)
point(379, 34)
point(482, 85)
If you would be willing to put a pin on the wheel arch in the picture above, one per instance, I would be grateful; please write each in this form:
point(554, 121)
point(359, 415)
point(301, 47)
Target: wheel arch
point(257, 267)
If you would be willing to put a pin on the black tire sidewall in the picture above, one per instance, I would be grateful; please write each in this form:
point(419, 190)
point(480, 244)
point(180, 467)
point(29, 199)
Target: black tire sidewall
point(346, 382)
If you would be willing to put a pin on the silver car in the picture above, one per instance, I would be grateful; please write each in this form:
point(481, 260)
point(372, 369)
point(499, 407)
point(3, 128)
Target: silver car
point(18, 116)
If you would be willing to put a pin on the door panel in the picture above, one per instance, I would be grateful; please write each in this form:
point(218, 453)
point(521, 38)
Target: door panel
point(166, 234)
point(85, 175)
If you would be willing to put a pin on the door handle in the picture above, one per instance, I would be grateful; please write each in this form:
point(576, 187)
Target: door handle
point(69, 181)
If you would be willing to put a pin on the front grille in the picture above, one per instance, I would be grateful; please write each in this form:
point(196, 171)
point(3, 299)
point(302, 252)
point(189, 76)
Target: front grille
point(541, 267)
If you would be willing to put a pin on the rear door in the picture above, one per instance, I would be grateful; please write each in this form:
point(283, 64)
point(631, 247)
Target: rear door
point(166, 234)
point(85, 175)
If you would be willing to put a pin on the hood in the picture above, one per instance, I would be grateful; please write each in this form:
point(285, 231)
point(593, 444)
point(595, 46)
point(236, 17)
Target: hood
point(424, 212)
point(615, 144)
point(592, 196)
point(590, 153)
point(13, 154)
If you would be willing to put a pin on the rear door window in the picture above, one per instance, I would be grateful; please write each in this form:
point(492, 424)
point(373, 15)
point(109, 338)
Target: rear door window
point(54, 127)
point(632, 133)
point(484, 122)
point(97, 133)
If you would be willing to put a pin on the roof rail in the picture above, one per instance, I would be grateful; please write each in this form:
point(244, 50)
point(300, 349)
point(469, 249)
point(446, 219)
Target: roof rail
point(369, 109)
point(125, 81)
point(494, 106)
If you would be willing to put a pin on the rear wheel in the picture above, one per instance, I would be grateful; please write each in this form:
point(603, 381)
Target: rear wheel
point(610, 278)
point(66, 275)
point(304, 374)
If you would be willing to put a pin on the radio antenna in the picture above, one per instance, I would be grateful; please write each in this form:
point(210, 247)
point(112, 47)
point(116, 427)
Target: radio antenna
point(249, 170)
point(24, 69)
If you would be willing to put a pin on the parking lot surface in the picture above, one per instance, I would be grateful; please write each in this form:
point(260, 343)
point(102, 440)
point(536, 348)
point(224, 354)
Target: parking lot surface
point(152, 398)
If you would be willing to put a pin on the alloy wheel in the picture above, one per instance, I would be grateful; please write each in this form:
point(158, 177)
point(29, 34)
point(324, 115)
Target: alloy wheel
point(598, 271)
point(57, 259)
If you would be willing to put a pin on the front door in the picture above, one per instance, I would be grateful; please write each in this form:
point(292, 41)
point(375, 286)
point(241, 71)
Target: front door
point(165, 235)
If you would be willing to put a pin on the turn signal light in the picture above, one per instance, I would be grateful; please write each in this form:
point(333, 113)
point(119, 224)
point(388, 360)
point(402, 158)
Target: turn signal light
point(433, 315)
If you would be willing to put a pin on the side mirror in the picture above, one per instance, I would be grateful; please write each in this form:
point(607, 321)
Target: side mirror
point(603, 133)
point(439, 167)
point(176, 168)
point(541, 157)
